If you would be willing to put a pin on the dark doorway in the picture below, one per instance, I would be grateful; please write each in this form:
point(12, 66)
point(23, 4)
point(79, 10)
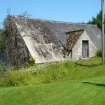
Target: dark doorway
point(85, 48)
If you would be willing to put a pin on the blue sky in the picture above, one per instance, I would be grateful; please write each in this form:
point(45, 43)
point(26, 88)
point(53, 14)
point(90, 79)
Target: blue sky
point(60, 10)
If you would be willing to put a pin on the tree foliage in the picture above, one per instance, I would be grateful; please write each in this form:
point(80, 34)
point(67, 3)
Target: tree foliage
point(97, 20)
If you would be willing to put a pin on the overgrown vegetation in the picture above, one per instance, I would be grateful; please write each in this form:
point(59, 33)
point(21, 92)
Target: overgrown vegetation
point(99, 53)
point(30, 62)
point(47, 73)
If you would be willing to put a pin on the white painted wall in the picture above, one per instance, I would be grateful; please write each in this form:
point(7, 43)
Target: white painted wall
point(77, 49)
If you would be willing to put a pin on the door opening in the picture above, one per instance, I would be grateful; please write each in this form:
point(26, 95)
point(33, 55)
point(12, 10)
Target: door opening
point(85, 48)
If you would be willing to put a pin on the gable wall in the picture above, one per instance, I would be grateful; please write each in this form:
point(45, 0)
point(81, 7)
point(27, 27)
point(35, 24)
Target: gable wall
point(77, 49)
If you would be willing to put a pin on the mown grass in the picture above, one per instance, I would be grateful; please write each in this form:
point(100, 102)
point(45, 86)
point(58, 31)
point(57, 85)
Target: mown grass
point(69, 92)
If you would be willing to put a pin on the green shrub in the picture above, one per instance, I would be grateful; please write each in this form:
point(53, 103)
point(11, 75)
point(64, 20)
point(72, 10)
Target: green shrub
point(99, 53)
point(30, 62)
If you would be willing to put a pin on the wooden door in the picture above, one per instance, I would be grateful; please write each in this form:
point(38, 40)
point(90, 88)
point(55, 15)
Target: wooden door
point(85, 48)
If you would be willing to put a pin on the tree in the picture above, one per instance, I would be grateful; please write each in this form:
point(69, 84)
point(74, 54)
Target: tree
point(97, 20)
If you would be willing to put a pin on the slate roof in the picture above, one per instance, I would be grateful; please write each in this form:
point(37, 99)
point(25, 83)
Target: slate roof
point(54, 31)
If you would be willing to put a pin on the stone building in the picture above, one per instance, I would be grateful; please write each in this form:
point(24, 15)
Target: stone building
point(47, 41)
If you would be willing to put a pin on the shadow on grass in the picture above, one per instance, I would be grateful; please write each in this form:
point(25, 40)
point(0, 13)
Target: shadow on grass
point(95, 84)
point(88, 65)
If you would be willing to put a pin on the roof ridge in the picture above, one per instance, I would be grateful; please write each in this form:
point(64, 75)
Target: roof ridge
point(46, 20)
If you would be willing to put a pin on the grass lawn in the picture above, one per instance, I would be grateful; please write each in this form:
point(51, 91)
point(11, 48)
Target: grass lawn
point(70, 92)
point(84, 84)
